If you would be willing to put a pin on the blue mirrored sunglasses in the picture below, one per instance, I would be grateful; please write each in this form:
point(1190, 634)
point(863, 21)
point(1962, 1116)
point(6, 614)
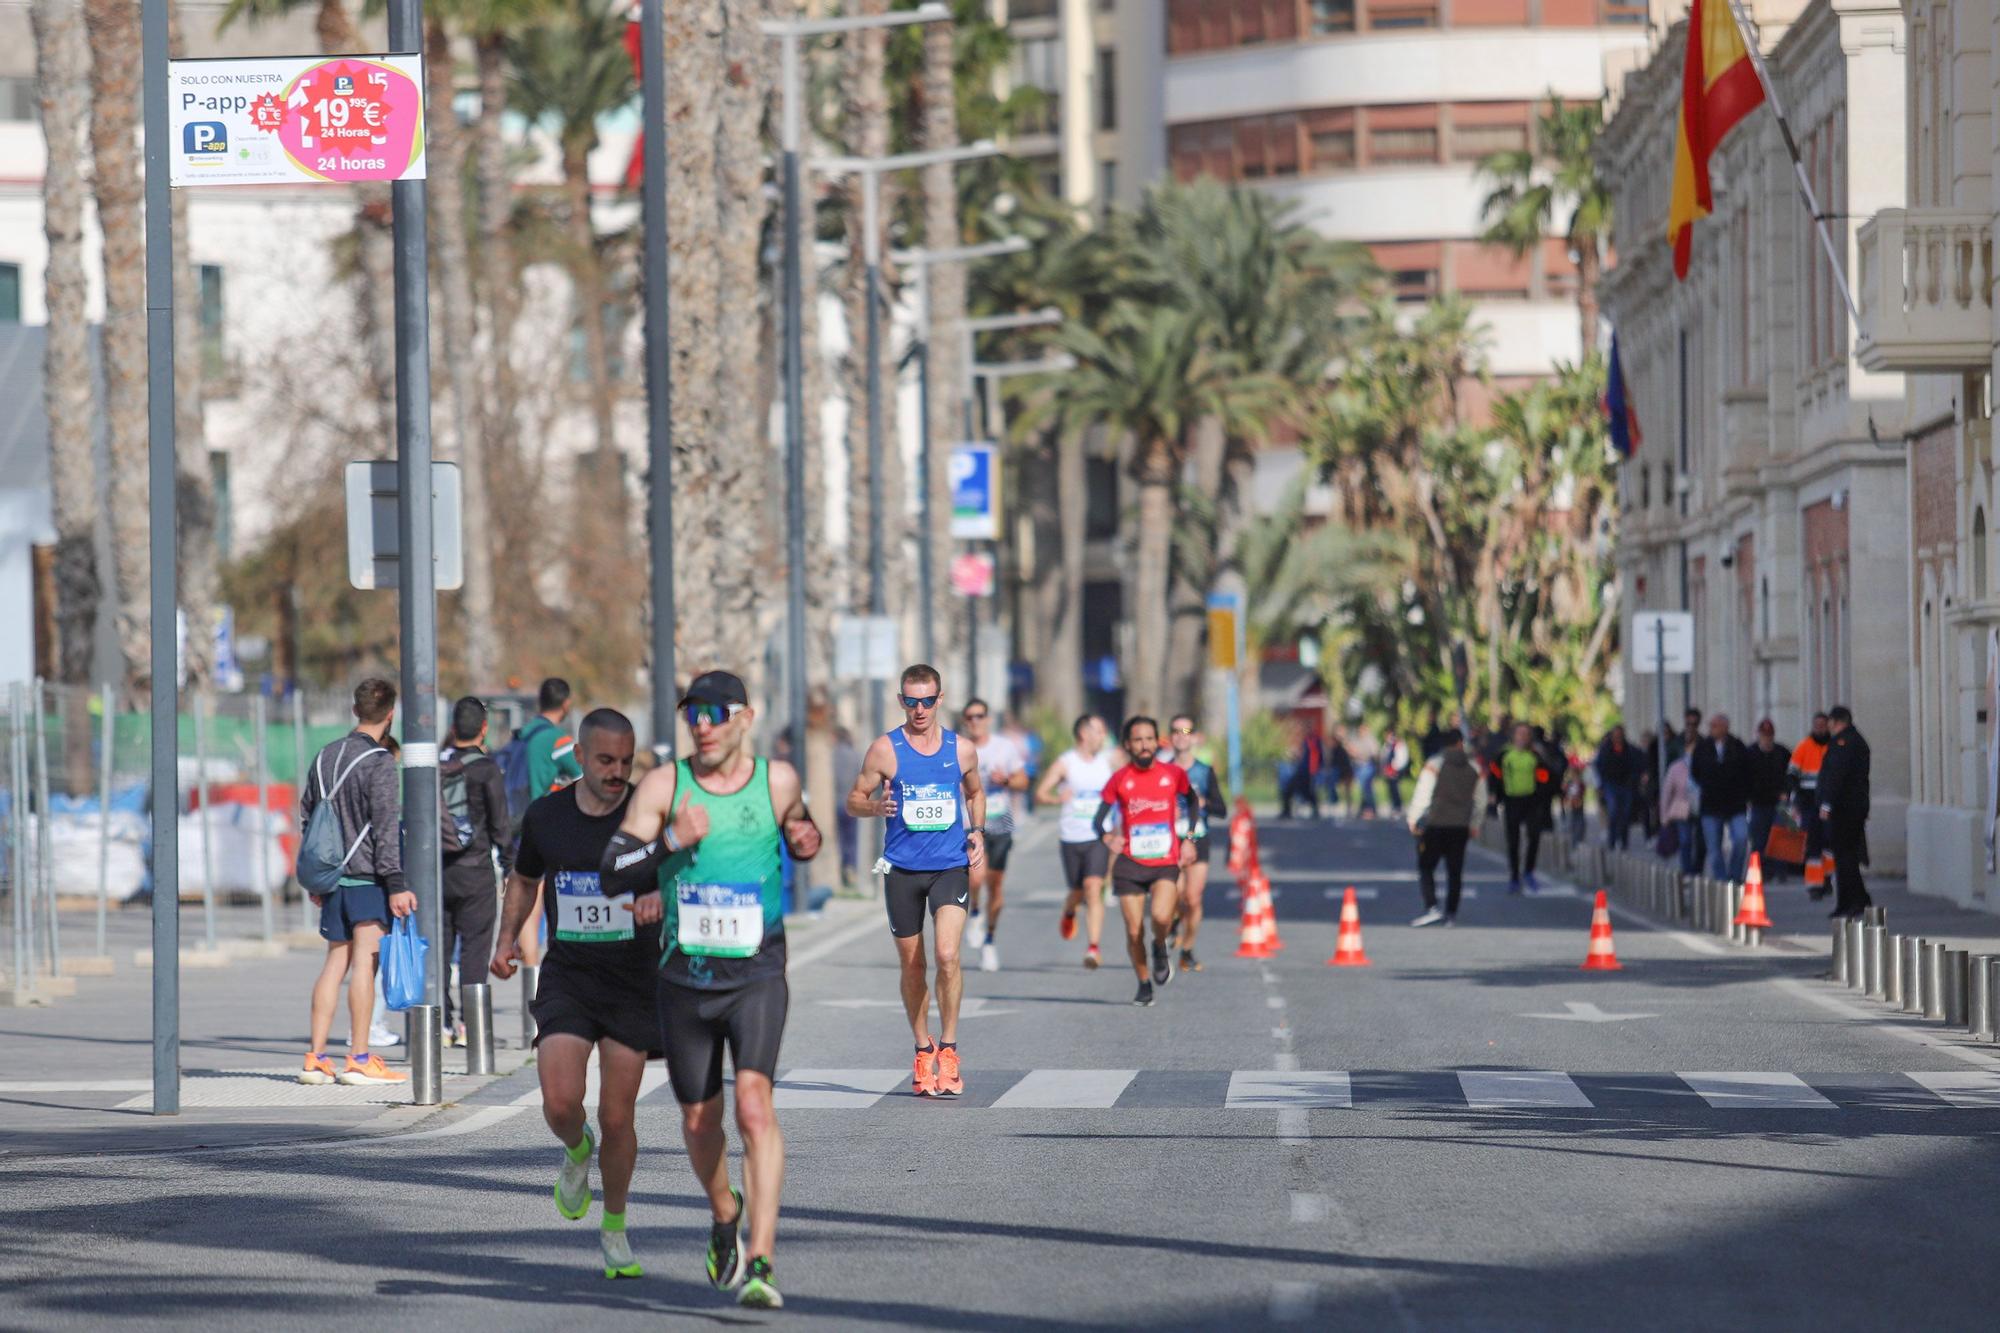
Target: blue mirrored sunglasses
point(713, 714)
point(915, 701)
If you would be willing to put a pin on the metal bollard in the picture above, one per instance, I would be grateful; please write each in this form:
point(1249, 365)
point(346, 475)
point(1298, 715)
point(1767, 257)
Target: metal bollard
point(1892, 968)
point(1979, 997)
point(1856, 952)
point(1957, 969)
point(1993, 999)
point(475, 1001)
point(1913, 974)
point(1871, 961)
point(1875, 916)
point(1738, 933)
point(530, 977)
point(1933, 978)
point(1839, 973)
point(426, 1043)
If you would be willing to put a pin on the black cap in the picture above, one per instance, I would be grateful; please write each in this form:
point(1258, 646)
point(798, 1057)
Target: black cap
point(716, 687)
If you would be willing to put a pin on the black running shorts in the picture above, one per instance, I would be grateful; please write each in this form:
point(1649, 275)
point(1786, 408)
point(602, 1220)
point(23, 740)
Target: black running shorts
point(1084, 860)
point(997, 847)
point(1128, 876)
point(1201, 849)
point(907, 891)
point(695, 1025)
point(615, 1003)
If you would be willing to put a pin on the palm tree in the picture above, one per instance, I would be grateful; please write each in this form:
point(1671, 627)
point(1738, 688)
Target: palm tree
point(61, 69)
point(1531, 186)
point(114, 126)
point(1147, 376)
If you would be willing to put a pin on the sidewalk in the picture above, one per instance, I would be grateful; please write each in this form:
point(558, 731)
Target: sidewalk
point(78, 1073)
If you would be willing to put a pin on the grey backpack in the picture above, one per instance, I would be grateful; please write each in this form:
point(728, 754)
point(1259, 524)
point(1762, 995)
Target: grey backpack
point(321, 854)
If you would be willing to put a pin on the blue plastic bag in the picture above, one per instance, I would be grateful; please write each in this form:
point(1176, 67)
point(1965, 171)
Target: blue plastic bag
point(403, 953)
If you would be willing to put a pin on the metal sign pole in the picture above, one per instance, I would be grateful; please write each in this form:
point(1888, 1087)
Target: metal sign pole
point(415, 574)
point(659, 375)
point(106, 747)
point(164, 536)
point(1660, 685)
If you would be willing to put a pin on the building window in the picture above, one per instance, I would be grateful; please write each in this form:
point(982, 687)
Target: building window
point(1107, 88)
point(1038, 64)
point(213, 359)
point(10, 293)
point(1414, 284)
point(1472, 143)
point(1333, 149)
point(1645, 487)
point(18, 99)
point(1624, 11)
point(225, 528)
point(1416, 143)
point(1101, 502)
point(1107, 182)
point(1979, 571)
point(1032, 9)
point(1331, 16)
point(1402, 14)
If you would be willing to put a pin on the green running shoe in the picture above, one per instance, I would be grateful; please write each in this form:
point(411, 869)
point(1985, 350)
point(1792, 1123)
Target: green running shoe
point(759, 1291)
point(573, 1181)
point(725, 1249)
point(618, 1260)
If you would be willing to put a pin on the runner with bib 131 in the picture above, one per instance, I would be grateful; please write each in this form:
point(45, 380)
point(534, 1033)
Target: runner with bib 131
point(934, 838)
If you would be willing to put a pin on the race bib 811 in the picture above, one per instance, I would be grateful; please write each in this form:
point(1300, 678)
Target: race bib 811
point(719, 920)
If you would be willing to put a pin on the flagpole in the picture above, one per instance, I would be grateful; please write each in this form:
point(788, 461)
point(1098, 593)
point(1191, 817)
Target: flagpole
point(1792, 147)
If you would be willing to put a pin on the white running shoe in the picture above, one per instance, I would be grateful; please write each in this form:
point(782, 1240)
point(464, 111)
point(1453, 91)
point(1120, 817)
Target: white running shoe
point(382, 1036)
point(618, 1260)
point(573, 1180)
point(975, 931)
point(1430, 918)
point(989, 958)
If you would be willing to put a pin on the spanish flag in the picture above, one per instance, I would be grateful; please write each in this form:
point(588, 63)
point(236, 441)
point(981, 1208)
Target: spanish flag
point(1718, 88)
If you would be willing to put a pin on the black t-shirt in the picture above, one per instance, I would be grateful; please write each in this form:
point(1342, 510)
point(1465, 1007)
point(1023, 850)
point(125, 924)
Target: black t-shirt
point(564, 847)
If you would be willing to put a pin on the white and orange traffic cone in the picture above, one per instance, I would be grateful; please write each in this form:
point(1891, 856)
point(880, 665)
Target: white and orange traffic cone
point(1347, 951)
point(1253, 940)
point(1752, 912)
point(1242, 841)
point(1602, 957)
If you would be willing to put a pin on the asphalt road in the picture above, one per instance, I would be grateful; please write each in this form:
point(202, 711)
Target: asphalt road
point(1471, 1133)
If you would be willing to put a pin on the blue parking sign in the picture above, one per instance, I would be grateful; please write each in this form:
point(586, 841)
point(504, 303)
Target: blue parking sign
point(975, 492)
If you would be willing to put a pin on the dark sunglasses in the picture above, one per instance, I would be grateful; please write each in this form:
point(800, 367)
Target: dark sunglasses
point(1183, 731)
point(969, 717)
point(912, 701)
point(713, 714)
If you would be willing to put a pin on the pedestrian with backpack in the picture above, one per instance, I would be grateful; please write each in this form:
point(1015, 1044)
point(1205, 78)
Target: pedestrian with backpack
point(541, 758)
point(478, 841)
point(351, 863)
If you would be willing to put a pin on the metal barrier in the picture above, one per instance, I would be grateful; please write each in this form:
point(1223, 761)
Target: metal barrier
point(1934, 979)
point(1871, 961)
point(1892, 970)
point(426, 1040)
point(1957, 969)
point(475, 1001)
point(1979, 997)
point(1913, 974)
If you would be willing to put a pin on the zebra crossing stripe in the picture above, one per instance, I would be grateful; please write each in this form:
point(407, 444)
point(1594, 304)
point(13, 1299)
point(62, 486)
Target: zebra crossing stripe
point(834, 1089)
point(1067, 1089)
point(1973, 1089)
point(1501, 1088)
point(1763, 1092)
point(1278, 1089)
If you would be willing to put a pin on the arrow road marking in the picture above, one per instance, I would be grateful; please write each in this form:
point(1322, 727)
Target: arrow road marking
point(1584, 1012)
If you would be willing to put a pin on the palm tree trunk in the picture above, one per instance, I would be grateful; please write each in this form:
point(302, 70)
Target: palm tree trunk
point(62, 62)
point(1589, 266)
point(867, 121)
point(447, 147)
point(194, 499)
point(587, 282)
point(946, 353)
point(1146, 680)
point(1188, 633)
point(1062, 676)
point(114, 103)
point(496, 244)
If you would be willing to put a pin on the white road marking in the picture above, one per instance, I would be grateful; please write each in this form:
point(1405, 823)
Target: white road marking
point(1585, 1012)
point(1308, 1209)
point(1284, 1062)
point(9, 1089)
point(1292, 1302)
point(483, 1118)
point(1519, 1087)
point(1930, 1039)
point(1292, 1127)
point(1267, 1089)
point(835, 1089)
point(1067, 1089)
point(1760, 1091)
point(1275, 1001)
point(1972, 1089)
point(819, 949)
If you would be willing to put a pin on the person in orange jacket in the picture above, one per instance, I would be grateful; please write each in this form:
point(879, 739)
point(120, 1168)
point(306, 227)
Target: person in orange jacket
point(1807, 756)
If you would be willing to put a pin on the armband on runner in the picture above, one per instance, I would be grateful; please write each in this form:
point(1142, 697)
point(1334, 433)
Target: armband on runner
point(630, 866)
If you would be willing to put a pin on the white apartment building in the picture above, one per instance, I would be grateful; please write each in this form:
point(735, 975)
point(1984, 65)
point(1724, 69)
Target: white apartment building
point(1372, 116)
point(1926, 291)
point(1769, 496)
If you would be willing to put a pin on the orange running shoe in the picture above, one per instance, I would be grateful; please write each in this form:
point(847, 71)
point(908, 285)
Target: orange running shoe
point(318, 1069)
point(1068, 927)
point(1091, 958)
point(371, 1070)
point(949, 1084)
point(924, 1079)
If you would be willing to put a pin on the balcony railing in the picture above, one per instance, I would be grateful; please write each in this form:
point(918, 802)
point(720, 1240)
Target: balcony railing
point(1926, 290)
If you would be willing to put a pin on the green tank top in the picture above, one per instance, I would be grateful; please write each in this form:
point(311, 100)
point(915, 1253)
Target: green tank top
point(739, 857)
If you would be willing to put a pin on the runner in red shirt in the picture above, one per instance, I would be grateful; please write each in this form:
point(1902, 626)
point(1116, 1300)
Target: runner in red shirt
point(1146, 856)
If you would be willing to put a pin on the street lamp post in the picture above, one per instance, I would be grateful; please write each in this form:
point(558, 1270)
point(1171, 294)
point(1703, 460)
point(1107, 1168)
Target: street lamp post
point(921, 260)
point(790, 33)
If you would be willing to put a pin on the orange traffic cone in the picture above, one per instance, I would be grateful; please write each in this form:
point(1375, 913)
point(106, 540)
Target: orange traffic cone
point(1272, 940)
point(1253, 941)
point(1242, 841)
point(1347, 950)
point(1602, 956)
point(1752, 913)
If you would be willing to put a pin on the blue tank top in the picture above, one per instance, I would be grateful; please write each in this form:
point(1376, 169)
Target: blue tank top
point(927, 832)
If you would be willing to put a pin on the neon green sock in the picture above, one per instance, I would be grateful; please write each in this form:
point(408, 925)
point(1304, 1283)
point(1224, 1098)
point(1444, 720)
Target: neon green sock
point(581, 1150)
point(613, 1221)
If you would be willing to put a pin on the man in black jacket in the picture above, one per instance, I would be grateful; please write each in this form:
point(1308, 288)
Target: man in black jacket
point(1770, 765)
point(471, 881)
point(1843, 809)
point(1720, 766)
point(1619, 768)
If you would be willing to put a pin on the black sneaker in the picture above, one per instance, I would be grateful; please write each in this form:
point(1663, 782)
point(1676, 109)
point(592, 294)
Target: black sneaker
point(1144, 998)
point(725, 1249)
point(1189, 963)
point(1163, 965)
